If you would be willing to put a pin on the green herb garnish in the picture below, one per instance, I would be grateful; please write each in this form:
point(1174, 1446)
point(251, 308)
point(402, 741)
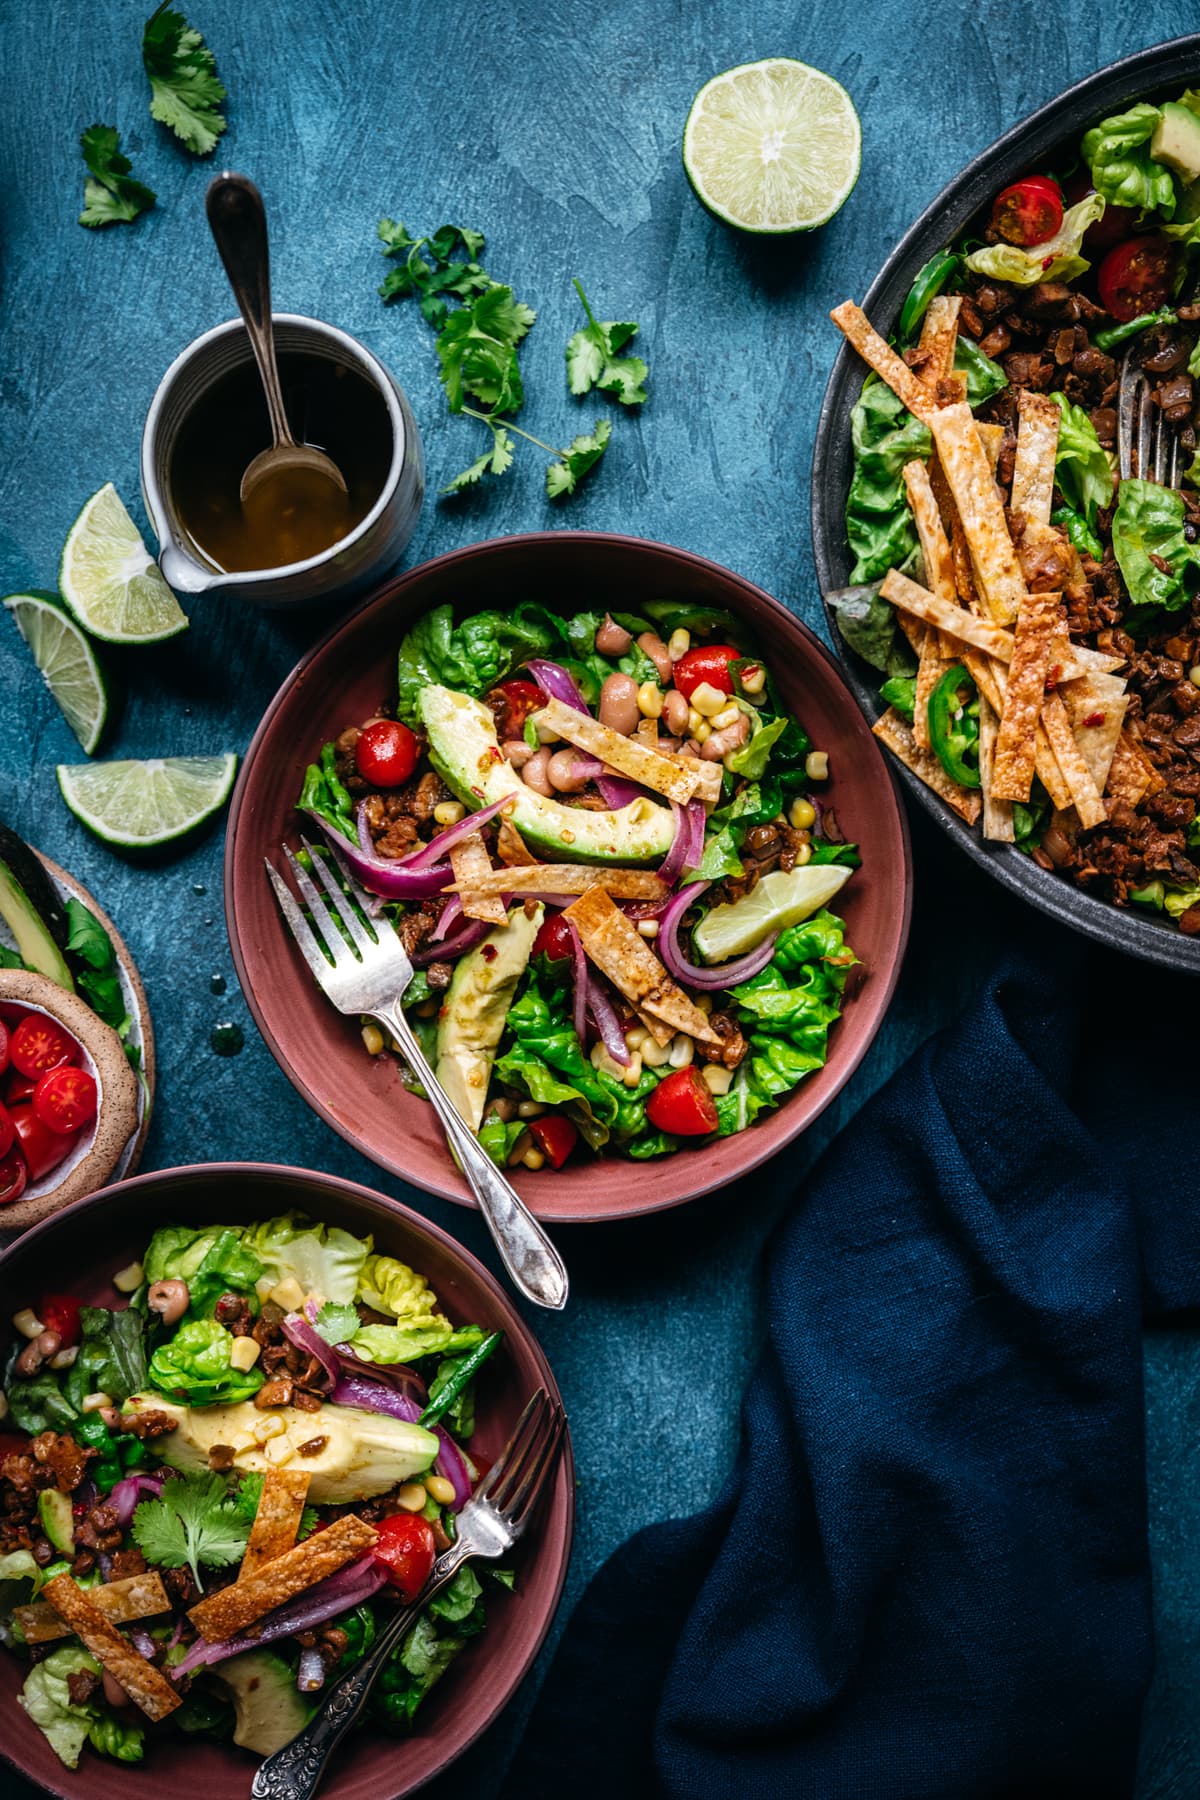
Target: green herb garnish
point(193, 1521)
point(185, 92)
point(110, 194)
point(594, 358)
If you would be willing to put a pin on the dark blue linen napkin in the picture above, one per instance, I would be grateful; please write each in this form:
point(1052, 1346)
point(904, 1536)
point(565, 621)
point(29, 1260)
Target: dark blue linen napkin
point(928, 1576)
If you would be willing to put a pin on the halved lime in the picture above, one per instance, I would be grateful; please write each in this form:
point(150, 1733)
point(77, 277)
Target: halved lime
point(782, 898)
point(772, 146)
point(111, 582)
point(67, 661)
point(136, 805)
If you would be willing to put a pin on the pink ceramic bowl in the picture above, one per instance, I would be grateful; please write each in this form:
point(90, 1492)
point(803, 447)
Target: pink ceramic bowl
point(352, 672)
point(78, 1248)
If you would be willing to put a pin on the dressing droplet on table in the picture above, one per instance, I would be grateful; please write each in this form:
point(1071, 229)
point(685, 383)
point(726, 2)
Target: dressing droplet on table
point(227, 1039)
point(216, 984)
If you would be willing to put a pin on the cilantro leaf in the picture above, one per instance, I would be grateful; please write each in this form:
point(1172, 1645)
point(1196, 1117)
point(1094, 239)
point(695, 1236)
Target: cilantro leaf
point(193, 1521)
point(563, 476)
point(493, 462)
point(110, 195)
point(477, 350)
point(594, 359)
point(337, 1324)
point(185, 92)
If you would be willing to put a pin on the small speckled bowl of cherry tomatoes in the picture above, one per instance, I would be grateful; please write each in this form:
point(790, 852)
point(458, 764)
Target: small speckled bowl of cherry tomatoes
point(68, 1099)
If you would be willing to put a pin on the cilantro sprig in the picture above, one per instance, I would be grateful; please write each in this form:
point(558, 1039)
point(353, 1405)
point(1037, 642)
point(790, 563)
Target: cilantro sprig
point(185, 90)
point(193, 1521)
point(111, 196)
point(594, 358)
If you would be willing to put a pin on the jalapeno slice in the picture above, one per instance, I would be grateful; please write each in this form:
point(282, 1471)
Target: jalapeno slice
point(953, 717)
point(1111, 335)
point(930, 281)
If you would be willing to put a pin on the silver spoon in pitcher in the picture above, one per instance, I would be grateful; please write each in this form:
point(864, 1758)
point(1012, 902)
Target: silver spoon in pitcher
point(238, 221)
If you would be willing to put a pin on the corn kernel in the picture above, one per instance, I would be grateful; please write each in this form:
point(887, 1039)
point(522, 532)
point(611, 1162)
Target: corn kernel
point(678, 644)
point(716, 1079)
point(28, 1323)
point(648, 928)
point(695, 721)
point(242, 1442)
point(264, 1287)
point(702, 732)
point(533, 1159)
point(279, 1451)
point(546, 734)
point(754, 678)
point(372, 1039)
point(129, 1279)
point(703, 1003)
point(64, 1358)
point(95, 1402)
point(244, 1353)
point(270, 1427)
point(439, 1489)
point(517, 1154)
point(802, 814)
point(1194, 674)
point(650, 700)
point(709, 700)
point(633, 1073)
point(288, 1293)
point(449, 812)
point(530, 1109)
point(635, 1037)
point(816, 765)
point(803, 855)
point(411, 1496)
point(604, 1063)
point(682, 1050)
point(728, 716)
point(655, 1056)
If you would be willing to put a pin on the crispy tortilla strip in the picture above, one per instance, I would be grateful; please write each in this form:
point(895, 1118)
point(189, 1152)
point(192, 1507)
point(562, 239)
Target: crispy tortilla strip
point(470, 861)
point(662, 1034)
point(939, 335)
point(956, 621)
point(707, 775)
point(894, 731)
point(511, 847)
point(968, 472)
point(913, 630)
point(854, 324)
point(935, 549)
point(223, 1615)
point(673, 776)
point(1033, 466)
point(991, 678)
point(144, 1684)
point(1016, 741)
point(133, 1597)
point(647, 733)
point(280, 1509)
point(1129, 772)
point(1096, 706)
point(997, 814)
point(930, 669)
point(992, 439)
point(960, 553)
point(570, 878)
point(1084, 793)
point(619, 951)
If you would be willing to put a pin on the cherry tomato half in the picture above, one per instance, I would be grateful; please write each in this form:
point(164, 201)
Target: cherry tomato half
point(682, 1105)
point(18, 1087)
point(520, 699)
point(1115, 223)
point(1029, 212)
point(60, 1312)
point(65, 1098)
point(707, 662)
point(1134, 278)
point(5, 1038)
point(554, 1136)
point(13, 1176)
point(8, 1132)
point(386, 753)
point(42, 1149)
point(554, 939)
point(40, 1043)
point(13, 1443)
point(406, 1548)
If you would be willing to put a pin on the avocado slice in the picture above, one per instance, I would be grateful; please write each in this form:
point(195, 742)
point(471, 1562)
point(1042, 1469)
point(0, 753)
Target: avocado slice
point(58, 1520)
point(464, 749)
point(471, 1020)
point(31, 909)
point(267, 1704)
point(1176, 141)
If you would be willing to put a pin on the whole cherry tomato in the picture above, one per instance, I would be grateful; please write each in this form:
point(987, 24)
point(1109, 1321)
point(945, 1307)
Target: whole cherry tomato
point(520, 699)
point(1134, 278)
point(8, 1132)
point(40, 1043)
point(707, 662)
point(554, 1136)
point(386, 753)
point(65, 1098)
point(554, 939)
point(682, 1105)
point(42, 1149)
point(1115, 223)
point(18, 1087)
point(60, 1312)
point(405, 1546)
point(1029, 212)
point(13, 1176)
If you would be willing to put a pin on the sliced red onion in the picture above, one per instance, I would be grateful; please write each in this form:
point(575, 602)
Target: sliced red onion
point(306, 1337)
point(449, 913)
point(451, 1464)
point(586, 767)
point(143, 1643)
point(607, 1023)
point(617, 791)
point(554, 682)
point(397, 1376)
point(688, 844)
point(444, 842)
point(380, 875)
point(580, 970)
point(372, 1396)
point(336, 1594)
point(471, 934)
point(310, 1676)
point(725, 975)
point(125, 1496)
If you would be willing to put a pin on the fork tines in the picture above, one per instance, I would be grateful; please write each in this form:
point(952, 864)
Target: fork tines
point(515, 1479)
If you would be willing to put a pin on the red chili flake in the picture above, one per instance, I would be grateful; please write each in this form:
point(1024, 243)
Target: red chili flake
point(488, 952)
point(1046, 261)
point(1094, 719)
point(1053, 676)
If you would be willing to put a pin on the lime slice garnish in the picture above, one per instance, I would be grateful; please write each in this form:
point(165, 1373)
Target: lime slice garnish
point(772, 146)
point(782, 898)
point(67, 662)
point(111, 582)
point(139, 804)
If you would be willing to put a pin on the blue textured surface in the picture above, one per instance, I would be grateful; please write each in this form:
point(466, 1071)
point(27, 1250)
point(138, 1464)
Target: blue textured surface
point(555, 131)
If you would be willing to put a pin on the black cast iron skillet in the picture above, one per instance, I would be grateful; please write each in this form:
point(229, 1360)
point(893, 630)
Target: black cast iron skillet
point(1159, 73)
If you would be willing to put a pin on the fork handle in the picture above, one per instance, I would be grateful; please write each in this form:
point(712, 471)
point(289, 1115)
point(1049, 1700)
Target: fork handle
point(294, 1772)
point(534, 1265)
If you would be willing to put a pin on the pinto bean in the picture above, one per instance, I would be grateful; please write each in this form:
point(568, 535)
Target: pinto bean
point(170, 1298)
point(612, 639)
point(43, 1347)
point(114, 1693)
point(536, 773)
point(563, 770)
point(675, 712)
point(619, 705)
point(652, 645)
point(720, 743)
point(517, 752)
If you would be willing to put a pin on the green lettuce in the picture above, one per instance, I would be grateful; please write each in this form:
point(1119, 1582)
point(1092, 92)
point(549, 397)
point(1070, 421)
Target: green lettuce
point(46, 1698)
point(867, 622)
point(1117, 151)
point(984, 377)
point(500, 1139)
point(39, 1403)
point(323, 792)
point(879, 523)
point(390, 1286)
point(97, 975)
point(751, 760)
point(474, 656)
point(404, 1343)
point(1177, 900)
point(1078, 531)
point(1058, 259)
point(900, 691)
point(111, 1358)
point(1149, 520)
point(325, 1260)
point(1081, 466)
point(195, 1368)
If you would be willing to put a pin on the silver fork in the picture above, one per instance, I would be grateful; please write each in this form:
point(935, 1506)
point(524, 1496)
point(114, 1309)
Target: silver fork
point(371, 977)
point(1147, 445)
point(489, 1525)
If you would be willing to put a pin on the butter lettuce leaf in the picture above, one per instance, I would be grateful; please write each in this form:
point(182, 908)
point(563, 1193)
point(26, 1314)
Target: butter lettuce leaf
point(473, 656)
point(1081, 466)
point(1058, 259)
point(389, 1286)
point(194, 1368)
point(1148, 522)
point(984, 377)
point(1117, 151)
point(325, 1260)
point(879, 523)
point(404, 1344)
point(47, 1699)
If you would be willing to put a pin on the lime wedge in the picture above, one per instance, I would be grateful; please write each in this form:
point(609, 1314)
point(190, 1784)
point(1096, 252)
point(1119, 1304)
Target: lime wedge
point(772, 146)
point(67, 662)
point(136, 805)
point(111, 582)
point(782, 898)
